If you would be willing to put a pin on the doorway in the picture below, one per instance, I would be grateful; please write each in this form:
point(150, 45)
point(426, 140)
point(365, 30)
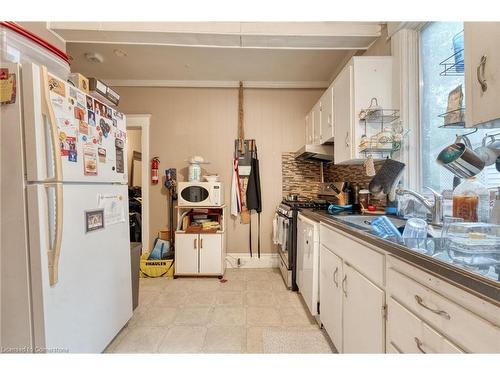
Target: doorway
point(137, 159)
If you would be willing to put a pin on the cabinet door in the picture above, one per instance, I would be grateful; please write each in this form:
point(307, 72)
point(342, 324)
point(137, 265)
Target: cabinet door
point(307, 268)
point(363, 313)
point(482, 39)
point(309, 128)
point(326, 134)
point(342, 112)
point(301, 250)
point(316, 123)
point(186, 253)
point(330, 295)
point(210, 254)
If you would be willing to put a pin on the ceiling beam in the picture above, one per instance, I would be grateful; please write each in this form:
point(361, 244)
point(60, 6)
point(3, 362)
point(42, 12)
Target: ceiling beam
point(217, 84)
point(275, 35)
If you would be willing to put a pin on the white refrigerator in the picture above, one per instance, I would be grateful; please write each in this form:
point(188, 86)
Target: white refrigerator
point(65, 256)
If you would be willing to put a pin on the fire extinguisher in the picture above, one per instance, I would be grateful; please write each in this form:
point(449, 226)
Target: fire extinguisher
point(155, 164)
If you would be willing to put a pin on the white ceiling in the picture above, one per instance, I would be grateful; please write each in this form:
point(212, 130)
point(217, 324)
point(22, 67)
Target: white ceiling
point(146, 62)
point(300, 54)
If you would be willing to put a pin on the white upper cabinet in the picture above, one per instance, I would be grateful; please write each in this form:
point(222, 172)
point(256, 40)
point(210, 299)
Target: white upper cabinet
point(326, 129)
point(362, 79)
point(482, 73)
point(309, 128)
point(335, 115)
point(316, 111)
point(342, 86)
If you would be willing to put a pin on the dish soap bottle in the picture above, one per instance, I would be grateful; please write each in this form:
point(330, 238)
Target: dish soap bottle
point(471, 201)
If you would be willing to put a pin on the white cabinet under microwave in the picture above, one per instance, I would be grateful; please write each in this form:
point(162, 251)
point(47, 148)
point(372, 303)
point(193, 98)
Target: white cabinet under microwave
point(203, 194)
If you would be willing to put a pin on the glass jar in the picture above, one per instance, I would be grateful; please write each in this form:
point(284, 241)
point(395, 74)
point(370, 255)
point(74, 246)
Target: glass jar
point(471, 201)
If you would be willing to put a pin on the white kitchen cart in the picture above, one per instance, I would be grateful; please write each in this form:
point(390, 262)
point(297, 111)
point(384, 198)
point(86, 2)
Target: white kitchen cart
point(200, 253)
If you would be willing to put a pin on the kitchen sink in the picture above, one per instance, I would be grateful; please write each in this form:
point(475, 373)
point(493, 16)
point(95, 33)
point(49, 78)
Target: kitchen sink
point(364, 221)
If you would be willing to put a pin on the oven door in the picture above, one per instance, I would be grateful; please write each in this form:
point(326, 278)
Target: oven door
point(194, 195)
point(286, 242)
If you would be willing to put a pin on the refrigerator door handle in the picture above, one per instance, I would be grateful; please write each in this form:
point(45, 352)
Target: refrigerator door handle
point(48, 113)
point(55, 246)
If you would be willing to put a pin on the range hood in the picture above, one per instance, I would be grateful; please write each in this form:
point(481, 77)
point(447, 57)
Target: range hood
point(315, 153)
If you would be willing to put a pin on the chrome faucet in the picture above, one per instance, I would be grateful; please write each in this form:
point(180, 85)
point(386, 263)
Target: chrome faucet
point(436, 208)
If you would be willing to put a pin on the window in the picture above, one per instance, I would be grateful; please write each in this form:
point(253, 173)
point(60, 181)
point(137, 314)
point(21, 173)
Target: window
point(439, 41)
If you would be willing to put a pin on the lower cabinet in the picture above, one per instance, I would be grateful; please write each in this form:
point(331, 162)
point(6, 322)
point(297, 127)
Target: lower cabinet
point(201, 254)
point(211, 258)
point(330, 295)
point(352, 308)
point(363, 312)
point(409, 334)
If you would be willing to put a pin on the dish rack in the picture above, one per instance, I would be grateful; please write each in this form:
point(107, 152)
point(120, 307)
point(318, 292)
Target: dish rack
point(390, 135)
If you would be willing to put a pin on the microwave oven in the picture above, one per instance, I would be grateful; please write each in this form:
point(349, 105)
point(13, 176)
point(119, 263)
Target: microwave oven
point(204, 194)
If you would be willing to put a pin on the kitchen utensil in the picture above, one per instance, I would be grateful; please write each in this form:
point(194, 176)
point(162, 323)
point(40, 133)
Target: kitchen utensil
point(292, 197)
point(489, 152)
point(460, 160)
point(336, 208)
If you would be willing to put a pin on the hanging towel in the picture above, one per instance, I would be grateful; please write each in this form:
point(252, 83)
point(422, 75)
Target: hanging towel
point(235, 190)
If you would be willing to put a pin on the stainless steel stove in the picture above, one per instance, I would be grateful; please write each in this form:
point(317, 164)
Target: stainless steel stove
point(287, 212)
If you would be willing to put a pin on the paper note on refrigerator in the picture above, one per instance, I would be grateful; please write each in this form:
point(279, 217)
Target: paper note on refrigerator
point(113, 206)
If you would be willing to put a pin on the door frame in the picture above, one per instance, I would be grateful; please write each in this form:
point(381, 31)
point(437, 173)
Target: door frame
point(142, 122)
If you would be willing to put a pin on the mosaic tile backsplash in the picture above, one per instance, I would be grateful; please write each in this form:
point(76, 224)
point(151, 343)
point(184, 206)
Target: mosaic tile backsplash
point(300, 177)
point(304, 177)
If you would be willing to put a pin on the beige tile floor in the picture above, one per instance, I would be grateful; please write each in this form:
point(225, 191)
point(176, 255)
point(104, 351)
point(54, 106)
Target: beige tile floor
point(252, 312)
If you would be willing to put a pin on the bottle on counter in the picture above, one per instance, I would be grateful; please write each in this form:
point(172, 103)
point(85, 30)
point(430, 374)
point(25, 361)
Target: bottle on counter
point(471, 201)
point(356, 206)
point(495, 209)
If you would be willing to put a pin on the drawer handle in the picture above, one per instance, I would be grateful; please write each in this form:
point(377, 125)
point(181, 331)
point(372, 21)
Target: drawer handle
point(344, 283)
point(419, 345)
point(420, 301)
point(335, 278)
point(480, 74)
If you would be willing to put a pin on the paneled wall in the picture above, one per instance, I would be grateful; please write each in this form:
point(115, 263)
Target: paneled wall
point(203, 121)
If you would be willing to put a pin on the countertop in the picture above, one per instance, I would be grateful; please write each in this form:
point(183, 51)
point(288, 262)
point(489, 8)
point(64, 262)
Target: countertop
point(437, 264)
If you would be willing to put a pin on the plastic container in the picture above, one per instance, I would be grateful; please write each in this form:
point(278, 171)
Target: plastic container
point(471, 201)
point(20, 46)
point(194, 172)
point(474, 245)
point(384, 228)
point(364, 198)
